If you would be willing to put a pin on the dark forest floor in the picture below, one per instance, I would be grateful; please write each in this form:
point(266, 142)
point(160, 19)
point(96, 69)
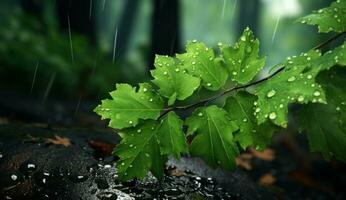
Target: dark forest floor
point(55, 150)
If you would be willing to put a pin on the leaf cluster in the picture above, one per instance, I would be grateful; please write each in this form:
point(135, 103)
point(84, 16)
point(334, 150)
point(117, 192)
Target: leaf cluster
point(151, 130)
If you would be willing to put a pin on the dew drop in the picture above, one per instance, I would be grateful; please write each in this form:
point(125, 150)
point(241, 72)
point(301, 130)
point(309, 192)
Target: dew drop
point(243, 38)
point(130, 122)
point(255, 103)
point(208, 84)
point(193, 62)
point(317, 93)
point(271, 93)
point(291, 79)
point(338, 108)
point(131, 145)
point(165, 73)
point(194, 41)
point(244, 120)
point(151, 99)
point(147, 155)
point(177, 69)
point(257, 110)
point(200, 114)
point(234, 73)
point(272, 115)
point(122, 163)
point(309, 76)
point(145, 89)
point(281, 106)
point(139, 130)
point(301, 98)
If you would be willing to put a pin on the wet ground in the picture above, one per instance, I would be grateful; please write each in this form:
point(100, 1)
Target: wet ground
point(55, 160)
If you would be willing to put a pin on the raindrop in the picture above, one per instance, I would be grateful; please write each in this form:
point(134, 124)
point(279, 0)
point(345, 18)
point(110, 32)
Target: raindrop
point(107, 166)
point(243, 38)
point(234, 73)
point(193, 62)
point(200, 114)
point(272, 115)
point(281, 105)
point(14, 177)
point(257, 110)
point(145, 89)
point(208, 84)
point(309, 76)
point(291, 79)
point(139, 130)
point(194, 41)
point(151, 99)
point(147, 155)
point(131, 145)
point(177, 69)
point(130, 122)
point(219, 44)
point(255, 103)
point(271, 93)
point(301, 98)
point(338, 108)
point(165, 73)
point(317, 93)
point(244, 120)
point(122, 163)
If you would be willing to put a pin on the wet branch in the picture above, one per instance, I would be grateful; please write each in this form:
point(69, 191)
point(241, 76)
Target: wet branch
point(206, 101)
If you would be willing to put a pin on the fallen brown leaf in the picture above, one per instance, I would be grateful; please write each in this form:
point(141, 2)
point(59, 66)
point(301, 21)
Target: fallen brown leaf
point(57, 140)
point(267, 180)
point(245, 164)
point(102, 147)
point(177, 172)
point(267, 154)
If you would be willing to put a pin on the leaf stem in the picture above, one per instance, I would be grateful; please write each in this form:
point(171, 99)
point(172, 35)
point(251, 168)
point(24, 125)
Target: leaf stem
point(206, 101)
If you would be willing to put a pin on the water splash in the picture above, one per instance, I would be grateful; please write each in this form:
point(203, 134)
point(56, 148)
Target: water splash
point(90, 9)
point(49, 86)
point(70, 36)
point(34, 78)
point(223, 9)
point(115, 43)
point(276, 27)
point(77, 107)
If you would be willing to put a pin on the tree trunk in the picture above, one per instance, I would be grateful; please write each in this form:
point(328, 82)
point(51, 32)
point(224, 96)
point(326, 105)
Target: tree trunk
point(248, 16)
point(165, 28)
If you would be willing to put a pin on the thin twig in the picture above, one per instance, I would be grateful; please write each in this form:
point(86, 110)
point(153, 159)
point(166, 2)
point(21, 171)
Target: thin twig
point(205, 101)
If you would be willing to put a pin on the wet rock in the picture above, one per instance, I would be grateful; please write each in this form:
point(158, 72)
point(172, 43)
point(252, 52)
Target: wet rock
point(33, 170)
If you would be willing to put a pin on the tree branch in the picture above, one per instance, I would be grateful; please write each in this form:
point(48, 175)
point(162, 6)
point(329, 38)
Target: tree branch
point(205, 101)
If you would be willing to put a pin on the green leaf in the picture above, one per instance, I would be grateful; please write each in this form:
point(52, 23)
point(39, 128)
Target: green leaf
point(333, 57)
point(171, 136)
point(325, 124)
point(129, 105)
point(173, 81)
point(241, 110)
point(328, 19)
point(295, 84)
point(214, 139)
point(200, 61)
point(139, 152)
point(242, 60)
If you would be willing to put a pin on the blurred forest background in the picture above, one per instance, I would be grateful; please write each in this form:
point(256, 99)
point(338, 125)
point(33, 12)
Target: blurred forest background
point(77, 50)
